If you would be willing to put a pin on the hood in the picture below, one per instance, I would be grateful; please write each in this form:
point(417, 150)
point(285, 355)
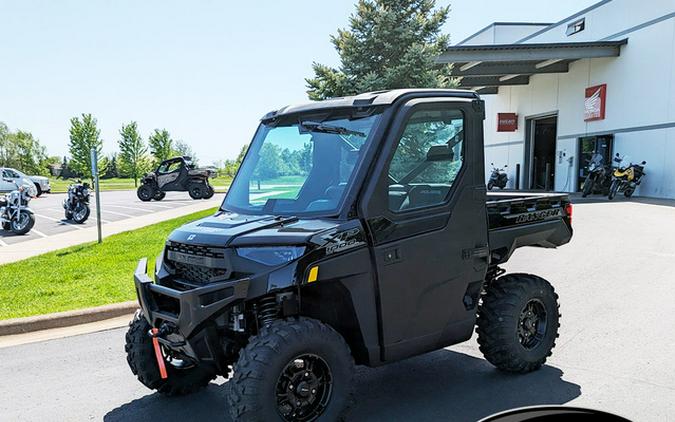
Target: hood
point(39, 178)
point(230, 229)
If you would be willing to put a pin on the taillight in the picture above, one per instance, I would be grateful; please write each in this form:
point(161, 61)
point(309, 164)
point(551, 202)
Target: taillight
point(568, 211)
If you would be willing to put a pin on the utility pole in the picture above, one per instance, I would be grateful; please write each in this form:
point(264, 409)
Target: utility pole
point(94, 175)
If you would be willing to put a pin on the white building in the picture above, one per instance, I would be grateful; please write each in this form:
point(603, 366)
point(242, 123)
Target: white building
point(543, 72)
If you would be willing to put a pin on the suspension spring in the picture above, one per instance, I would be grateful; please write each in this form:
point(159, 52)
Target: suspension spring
point(267, 310)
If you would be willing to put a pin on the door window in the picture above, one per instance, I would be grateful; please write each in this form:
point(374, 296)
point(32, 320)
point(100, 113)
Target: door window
point(427, 159)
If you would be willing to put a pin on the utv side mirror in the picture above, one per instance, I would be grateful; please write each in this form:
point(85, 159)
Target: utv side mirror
point(440, 153)
point(644, 162)
point(506, 165)
point(616, 155)
point(492, 164)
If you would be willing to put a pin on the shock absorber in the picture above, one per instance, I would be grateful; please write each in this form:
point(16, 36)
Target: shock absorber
point(267, 310)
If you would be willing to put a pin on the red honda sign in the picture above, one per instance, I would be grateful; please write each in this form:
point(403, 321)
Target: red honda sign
point(594, 104)
point(507, 122)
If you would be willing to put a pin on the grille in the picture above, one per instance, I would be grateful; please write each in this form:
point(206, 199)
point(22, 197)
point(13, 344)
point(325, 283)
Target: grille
point(215, 266)
point(197, 273)
point(197, 250)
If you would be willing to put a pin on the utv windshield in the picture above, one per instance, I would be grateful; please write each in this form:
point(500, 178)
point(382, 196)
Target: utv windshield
point(300, 167)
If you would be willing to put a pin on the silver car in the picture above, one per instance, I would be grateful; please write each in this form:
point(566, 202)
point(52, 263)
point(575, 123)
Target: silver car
point(18, 177)
point(41, 184)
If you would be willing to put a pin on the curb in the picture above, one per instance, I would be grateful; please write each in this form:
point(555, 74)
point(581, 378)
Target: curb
point(65, 319)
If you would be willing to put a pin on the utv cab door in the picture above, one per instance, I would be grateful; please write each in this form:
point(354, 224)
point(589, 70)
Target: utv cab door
point(425, 211)
point(169, 175)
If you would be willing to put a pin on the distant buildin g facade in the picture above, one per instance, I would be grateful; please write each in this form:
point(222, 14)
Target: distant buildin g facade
point(601, 80)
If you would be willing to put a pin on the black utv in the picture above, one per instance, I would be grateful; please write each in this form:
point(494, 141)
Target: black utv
point(357, 230)
point(176, 174)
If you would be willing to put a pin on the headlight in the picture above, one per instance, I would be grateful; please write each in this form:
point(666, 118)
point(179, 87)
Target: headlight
point(271, 255)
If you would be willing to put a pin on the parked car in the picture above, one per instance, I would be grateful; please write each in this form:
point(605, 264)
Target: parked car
point(41, 184)
point(11, 176)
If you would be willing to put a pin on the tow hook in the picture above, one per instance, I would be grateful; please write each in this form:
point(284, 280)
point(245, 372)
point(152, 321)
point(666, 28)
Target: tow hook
point(158, 354)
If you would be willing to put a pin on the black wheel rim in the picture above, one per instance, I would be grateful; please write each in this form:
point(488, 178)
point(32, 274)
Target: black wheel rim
point(304, 388)
point(532, 324)
point(146, 194)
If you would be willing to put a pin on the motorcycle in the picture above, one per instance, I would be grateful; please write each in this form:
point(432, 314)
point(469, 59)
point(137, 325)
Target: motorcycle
point(626, 178)
point(598, 179)
point(498, 177)
point(15, 215)
point(76, 204)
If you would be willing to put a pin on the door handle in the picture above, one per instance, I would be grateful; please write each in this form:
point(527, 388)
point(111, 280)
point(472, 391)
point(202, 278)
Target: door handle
point(480, 252)
point(392, 256)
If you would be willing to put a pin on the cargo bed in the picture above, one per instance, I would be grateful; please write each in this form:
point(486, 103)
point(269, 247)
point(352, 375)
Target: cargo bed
point(521, 218)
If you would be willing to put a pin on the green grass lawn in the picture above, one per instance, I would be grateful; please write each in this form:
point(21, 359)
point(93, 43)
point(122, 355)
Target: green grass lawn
point(61, 185)
point(85, 275)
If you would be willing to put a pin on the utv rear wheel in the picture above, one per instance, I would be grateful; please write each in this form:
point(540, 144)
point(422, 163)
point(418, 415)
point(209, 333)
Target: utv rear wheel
point(518, 322)
point(159, 195)
point(143, 363)
point(209, 192)
point(196, 191)
point(145, 193)
point(293, 370)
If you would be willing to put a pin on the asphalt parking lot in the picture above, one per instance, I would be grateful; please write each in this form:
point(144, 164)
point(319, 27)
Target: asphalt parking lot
point(115, 206)
point(615, 350)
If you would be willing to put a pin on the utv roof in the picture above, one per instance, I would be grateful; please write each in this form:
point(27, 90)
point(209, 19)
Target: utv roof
point(367, 99)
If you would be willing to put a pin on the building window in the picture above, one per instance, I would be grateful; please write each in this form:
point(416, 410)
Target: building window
point(576, 26)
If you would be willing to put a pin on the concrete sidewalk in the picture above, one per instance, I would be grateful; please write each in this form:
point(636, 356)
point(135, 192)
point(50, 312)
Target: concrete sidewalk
point(23, 250)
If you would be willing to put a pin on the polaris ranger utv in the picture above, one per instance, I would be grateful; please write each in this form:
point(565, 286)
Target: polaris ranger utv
point(176, 174)
point(378, 243)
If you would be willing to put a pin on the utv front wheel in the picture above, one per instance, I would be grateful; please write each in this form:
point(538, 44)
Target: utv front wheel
point(293, 370)
point(143, 363)
point(518, 322)
point(145, 193)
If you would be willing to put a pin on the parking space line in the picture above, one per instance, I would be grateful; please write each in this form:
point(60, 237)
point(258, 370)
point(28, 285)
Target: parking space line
point(59, 221)
point(118, 213)
point(2, 243)
point(37, 232)
point(129, 208)
point(158, 205)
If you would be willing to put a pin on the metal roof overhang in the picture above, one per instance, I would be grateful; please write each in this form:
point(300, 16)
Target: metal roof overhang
point(487, 67)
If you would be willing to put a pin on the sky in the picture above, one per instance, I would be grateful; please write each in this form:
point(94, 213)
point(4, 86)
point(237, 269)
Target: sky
point(204, 70)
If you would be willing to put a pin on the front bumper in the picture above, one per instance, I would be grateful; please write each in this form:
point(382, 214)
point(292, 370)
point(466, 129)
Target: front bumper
point(185, 310)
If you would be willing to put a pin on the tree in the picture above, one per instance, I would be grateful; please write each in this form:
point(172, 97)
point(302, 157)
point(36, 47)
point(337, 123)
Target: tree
point(161, 145)
point(22, 151)
point(183, 148)
point(389, 44)
point(133, 161)
point(111, 168)
point(270, 164)
point(84, 136)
